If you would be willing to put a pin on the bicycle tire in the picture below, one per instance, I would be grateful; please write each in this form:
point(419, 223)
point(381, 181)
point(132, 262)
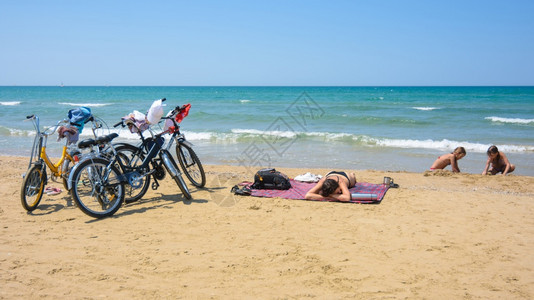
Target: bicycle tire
point(178, 177)
point(191, 165)
point(132, 157)
point(32, 188)
point(91, 196)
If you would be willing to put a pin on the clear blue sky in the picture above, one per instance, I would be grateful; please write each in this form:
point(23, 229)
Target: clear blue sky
point(266, 42)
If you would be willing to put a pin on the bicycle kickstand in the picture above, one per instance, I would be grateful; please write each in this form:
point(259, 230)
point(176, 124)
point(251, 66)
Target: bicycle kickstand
point(155, 183)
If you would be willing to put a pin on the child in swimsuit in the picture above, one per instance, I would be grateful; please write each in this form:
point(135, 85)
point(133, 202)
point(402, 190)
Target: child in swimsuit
point(334, 186)
point(449, 159)
point(499, 162)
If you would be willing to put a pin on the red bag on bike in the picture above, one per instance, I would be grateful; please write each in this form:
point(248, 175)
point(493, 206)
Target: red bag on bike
point(184, 111)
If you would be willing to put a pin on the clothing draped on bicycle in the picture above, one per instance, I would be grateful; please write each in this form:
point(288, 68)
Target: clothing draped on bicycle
point(77, 118)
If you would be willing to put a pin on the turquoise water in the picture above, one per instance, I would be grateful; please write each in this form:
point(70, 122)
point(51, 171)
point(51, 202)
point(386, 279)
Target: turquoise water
point(382, 128)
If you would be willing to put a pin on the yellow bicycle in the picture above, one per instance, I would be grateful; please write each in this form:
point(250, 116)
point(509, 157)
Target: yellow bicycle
point(35, 179)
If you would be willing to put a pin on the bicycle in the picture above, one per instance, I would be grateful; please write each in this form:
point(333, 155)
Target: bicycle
point(36, 178)
point(97, 180)
point(98, 184)
point(189, 161)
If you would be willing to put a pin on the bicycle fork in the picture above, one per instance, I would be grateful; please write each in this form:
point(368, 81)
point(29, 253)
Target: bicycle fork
point(168, 163)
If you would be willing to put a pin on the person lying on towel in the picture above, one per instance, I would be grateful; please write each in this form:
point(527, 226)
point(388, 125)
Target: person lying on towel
point(333, 186)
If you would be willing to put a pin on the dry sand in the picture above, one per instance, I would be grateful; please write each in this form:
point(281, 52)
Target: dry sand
point(439, 236)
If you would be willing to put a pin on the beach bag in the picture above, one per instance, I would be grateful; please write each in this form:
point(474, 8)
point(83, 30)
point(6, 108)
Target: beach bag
point(270, 179)
point(78, 117)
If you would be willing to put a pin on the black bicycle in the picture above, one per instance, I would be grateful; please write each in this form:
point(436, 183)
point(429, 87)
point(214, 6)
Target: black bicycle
point(100, 183)
point(133, 156)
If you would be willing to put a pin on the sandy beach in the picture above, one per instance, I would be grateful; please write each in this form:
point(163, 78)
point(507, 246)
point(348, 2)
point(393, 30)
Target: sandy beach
point(438, 236)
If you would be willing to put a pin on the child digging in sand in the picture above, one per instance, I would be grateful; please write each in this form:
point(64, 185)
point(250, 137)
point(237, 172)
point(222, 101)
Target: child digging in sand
point(449, 159)
point(499, 162)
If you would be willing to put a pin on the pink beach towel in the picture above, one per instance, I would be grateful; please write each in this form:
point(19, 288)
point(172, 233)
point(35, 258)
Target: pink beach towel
point(299, 189)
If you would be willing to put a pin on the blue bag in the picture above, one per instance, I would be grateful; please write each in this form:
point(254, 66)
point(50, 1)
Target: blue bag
point(78, 117)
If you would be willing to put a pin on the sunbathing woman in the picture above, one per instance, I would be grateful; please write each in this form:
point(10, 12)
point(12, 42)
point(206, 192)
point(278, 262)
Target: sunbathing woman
point(449, 159)
point(499, 162)
point(334, 186)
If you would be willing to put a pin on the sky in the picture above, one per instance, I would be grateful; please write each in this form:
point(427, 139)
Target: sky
point(267, 43)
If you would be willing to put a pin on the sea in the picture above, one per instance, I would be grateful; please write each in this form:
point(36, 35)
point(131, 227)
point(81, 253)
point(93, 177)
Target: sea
point(338, 128)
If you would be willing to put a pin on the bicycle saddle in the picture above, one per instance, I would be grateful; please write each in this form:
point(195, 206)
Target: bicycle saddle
point(106, 138)
point(86, 143)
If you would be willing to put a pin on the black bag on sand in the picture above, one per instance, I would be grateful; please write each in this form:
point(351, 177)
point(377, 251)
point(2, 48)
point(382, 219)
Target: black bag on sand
point(270, 179)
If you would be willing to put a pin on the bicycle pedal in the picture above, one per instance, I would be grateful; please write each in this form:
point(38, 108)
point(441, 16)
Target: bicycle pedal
point(155, 185)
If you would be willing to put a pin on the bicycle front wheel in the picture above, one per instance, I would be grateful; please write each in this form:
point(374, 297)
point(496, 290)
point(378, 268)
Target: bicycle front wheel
point(33, 187)
point(191, 165)
point(96, 188)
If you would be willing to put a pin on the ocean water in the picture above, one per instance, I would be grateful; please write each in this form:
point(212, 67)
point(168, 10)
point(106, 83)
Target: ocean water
point(346, 128)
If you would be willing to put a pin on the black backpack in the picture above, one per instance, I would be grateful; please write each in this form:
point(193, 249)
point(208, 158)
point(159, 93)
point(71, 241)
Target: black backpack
point(270, 179)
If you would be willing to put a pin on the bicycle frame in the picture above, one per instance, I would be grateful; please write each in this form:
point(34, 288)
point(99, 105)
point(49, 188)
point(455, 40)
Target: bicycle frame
point(155, 157)
point(39, 154)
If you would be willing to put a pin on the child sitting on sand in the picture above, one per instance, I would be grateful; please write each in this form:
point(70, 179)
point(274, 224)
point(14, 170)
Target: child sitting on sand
point(499, 162)
point(449, 159)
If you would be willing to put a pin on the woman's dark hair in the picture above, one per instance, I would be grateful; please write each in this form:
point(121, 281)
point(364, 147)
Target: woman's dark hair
point(492, 150)
point(329, 186)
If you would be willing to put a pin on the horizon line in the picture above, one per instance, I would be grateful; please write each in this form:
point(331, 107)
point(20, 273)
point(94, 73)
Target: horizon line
point(62, 86)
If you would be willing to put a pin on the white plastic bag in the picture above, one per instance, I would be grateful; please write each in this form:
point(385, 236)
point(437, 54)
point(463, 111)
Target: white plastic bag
point(155, 112)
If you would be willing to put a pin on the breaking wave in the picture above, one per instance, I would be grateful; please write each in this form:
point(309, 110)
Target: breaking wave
point(85, 104)
point(424, 108)
point(10, 103)
point(263, 136)
point(510, 120)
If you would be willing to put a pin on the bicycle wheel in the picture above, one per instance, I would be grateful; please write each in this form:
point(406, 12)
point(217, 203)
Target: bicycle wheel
point(131, 156)
point(191, 165)
point(172, 168)
point(33, 187)
point(94, 195)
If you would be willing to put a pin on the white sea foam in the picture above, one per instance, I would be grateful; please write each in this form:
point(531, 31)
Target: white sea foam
point(283, 134)
point(245, 101)
point(364, 140)
point(85, 104)
point(446, 145)
point(198, 136)
point(244, 136)
point(20, 132)
point(425, 108)
point(510, 120)
point(10, 103)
